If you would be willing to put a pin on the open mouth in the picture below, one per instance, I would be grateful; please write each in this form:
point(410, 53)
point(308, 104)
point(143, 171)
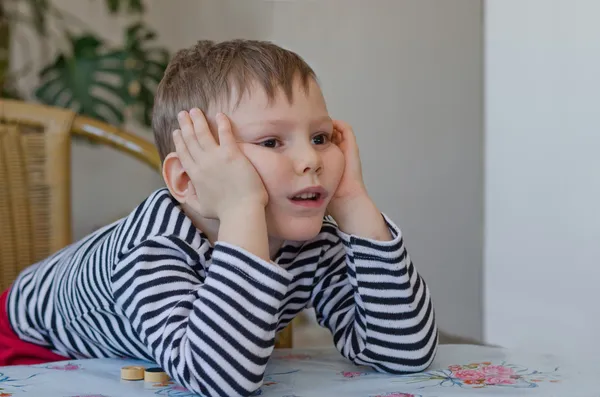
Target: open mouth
point(313, 197)
point(307, 197)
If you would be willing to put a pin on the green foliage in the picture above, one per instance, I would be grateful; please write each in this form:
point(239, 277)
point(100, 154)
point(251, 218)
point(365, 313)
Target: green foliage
point(101, 80)
point(143, 69)
point(133, 6)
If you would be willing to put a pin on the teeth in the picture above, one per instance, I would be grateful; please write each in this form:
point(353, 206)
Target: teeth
point(306, 196)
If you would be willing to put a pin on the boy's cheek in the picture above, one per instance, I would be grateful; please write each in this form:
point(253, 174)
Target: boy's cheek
point(336, 164)
point(340, 160)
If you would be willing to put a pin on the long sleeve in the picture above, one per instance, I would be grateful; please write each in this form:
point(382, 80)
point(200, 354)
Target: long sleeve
point(213, 334)
point(376, 305)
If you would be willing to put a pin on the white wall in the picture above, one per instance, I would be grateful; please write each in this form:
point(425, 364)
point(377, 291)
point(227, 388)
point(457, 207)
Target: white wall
point(542, 174)
point(406, 74)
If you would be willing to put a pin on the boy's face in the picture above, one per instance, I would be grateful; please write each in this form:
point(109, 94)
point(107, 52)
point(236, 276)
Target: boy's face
point(291, 147)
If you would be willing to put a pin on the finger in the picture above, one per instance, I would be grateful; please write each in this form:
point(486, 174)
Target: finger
point(336, 137)
point(187, 130)
point(344, 128)
point(226, 137)
point(348, 142)
point(188, 135)
point(206, 140)
point(182, 151)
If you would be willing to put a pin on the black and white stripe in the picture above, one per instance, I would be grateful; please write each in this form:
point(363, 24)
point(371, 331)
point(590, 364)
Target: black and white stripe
point(151, 286)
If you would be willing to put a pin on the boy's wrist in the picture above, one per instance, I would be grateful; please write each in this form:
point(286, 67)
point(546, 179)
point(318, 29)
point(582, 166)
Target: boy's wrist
point(344, 211)
point(240, 210)
point(245, 226)
point(360, 216)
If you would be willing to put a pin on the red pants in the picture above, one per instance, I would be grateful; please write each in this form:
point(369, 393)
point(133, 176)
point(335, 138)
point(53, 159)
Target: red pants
point(14, 351)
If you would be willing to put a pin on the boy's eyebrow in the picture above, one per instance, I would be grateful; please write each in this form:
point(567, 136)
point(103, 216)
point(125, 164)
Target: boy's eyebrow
point(287, 123)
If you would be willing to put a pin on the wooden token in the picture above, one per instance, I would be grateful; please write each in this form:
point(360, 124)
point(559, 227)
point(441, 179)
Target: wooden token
point(132, 372)
point(155, 375)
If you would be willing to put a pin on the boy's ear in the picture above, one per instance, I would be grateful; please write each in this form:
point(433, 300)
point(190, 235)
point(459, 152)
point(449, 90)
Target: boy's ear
point(175, 177)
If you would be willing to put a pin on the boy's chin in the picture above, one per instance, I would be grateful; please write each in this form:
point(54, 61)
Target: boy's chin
point(296, 228)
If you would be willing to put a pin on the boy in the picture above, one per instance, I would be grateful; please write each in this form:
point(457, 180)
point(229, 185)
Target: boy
point(201, 276)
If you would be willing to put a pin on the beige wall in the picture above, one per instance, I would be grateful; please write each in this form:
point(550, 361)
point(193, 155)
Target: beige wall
point(406, 74)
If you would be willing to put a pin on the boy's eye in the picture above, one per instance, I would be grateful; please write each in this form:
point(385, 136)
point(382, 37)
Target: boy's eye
point(321, 139)
point(270, 143)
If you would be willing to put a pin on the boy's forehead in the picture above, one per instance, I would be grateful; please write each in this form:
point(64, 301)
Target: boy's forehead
point(255, 105)
point(284, 122)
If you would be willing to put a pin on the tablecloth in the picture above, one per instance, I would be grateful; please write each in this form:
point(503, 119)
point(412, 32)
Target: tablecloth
point(458, 370)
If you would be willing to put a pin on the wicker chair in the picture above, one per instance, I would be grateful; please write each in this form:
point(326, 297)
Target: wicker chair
point(35, 185)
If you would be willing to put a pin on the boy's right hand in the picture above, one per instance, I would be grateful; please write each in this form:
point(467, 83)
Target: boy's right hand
point(224, 178)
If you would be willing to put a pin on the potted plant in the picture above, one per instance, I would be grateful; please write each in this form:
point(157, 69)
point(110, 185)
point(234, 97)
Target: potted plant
point(106, 81)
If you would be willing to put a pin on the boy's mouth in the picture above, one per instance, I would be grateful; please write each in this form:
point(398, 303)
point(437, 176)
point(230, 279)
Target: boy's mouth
point(310, 197)
point(307, 196)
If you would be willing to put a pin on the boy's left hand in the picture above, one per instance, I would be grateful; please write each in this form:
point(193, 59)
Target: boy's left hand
point(351, 185)
point(351, 206)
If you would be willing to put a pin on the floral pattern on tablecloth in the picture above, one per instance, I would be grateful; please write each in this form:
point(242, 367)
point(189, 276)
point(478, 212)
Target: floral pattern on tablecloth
point(474, 375)
point(9, 385)
point(324, 373)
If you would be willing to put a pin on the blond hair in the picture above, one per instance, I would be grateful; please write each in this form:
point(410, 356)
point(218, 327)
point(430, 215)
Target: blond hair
point(209, 72)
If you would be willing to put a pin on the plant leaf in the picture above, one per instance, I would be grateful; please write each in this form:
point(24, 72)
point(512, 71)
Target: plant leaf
point(113, 5)
point(144, 68)
point(133, 6)
point(73, 81)
point(103, 82)
point(136, 6)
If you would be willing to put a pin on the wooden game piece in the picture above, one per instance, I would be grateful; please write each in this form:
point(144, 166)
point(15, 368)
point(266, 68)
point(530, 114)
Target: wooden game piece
point(155, 375)
point(132, 372)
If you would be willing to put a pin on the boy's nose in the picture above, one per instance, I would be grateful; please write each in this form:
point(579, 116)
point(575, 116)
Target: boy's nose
point(309, 161)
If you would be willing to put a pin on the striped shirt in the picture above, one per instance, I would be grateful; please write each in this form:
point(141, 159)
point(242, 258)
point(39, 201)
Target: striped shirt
point(152, 287)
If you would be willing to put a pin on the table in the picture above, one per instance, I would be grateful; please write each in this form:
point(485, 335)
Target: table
point(458, 370)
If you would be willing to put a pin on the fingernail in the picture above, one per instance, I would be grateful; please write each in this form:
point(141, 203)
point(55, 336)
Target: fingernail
point(195, 111)
point(181, 114)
